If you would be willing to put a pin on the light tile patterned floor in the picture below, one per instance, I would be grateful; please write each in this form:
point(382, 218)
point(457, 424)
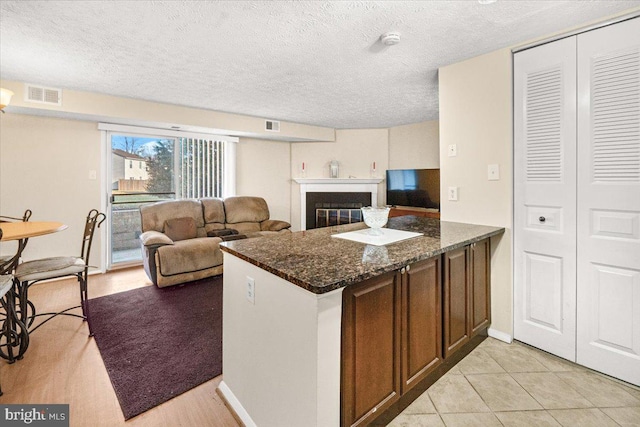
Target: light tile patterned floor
point(501, 384)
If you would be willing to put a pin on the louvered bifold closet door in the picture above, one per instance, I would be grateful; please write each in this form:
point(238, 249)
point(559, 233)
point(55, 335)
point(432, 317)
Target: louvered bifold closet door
point(545, 197)
point(608, 311)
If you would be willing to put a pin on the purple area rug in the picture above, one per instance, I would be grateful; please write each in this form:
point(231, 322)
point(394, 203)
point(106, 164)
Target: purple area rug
point(158, 343)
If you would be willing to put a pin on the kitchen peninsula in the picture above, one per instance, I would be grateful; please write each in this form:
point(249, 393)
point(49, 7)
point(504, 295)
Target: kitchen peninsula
point(308, 318)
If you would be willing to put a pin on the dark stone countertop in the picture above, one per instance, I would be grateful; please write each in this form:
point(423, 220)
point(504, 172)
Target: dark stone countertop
point(320, 263)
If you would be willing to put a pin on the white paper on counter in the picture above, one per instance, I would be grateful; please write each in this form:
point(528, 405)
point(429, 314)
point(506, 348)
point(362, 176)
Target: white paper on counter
point(389, 235)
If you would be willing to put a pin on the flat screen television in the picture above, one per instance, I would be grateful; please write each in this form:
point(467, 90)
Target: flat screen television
point(418, 188)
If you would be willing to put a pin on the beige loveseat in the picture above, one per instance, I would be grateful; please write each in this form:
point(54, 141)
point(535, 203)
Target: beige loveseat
point(180, 238)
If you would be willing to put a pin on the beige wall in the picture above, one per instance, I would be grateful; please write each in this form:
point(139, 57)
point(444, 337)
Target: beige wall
point(475, 114)
point(98, 107)
point(415, 146)
point(263, 170)
point(44, 166)
point(354, 149)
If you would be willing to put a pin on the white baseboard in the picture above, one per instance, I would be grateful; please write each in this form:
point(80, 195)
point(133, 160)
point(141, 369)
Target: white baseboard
point(494, 333)
point(235, 404)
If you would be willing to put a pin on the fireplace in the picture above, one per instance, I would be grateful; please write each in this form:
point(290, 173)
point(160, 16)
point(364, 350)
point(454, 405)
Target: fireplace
point(326, 209)
point(345, 197)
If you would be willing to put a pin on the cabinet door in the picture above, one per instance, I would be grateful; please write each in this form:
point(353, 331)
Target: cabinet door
point(480, 300)
point(456, 299)
point(421, 321)
point(370, 348)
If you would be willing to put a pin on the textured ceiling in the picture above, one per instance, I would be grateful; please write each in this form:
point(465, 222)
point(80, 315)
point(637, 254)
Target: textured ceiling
point(313, 62)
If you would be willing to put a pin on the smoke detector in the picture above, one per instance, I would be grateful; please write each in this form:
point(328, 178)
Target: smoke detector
point(390, 38)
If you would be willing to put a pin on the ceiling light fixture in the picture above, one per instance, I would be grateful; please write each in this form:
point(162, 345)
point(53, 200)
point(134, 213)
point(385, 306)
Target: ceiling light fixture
point(5, 98)
point(487, 1)
point(390, 38)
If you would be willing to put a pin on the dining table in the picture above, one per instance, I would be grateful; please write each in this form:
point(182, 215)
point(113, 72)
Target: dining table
point(14, 332)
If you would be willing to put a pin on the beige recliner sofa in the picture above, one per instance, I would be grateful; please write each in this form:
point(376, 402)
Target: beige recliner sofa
point(181, 238)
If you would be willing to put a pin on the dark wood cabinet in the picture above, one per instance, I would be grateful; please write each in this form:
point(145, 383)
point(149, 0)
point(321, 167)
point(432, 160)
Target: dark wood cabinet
point(480, 299)
point(370, 368)
point(391, 338)
point(399, 329)
point(421, 321)
point(467, 294)
point(456, 299)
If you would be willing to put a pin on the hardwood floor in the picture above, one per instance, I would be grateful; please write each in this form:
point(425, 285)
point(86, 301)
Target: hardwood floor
point(63, 365)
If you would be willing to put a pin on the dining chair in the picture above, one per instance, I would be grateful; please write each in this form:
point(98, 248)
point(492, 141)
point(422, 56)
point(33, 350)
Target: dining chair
point(6, 282)
point(6, 260)
point(31, 272)
point(13, 333)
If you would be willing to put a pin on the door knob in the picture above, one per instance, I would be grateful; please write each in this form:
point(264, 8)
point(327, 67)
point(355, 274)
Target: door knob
point(542, 219)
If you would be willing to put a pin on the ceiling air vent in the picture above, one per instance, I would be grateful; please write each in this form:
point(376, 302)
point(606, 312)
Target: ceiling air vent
point(272, 125)
point(43, 95)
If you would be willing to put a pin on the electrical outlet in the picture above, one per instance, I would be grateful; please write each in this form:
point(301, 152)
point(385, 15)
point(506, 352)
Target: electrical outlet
point(453, 150)
point(493, 172)
point(453, 193)
point(251, 290)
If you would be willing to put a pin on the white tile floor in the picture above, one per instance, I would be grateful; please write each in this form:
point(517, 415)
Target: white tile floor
point(501, 384)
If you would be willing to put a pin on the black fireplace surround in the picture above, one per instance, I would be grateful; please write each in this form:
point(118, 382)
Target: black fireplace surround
point(333, 200)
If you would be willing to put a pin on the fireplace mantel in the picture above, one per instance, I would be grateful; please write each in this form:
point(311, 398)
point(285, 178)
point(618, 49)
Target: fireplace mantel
point(338, 181)
point(334, 185)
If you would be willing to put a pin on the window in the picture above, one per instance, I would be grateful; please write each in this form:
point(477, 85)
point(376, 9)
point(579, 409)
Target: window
point(203, 167)
point(130, 164)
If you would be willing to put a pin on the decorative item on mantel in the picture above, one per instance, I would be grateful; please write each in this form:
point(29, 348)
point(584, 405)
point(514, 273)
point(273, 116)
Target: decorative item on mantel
point(373, 170)
point(303, 170)
point(333, 168)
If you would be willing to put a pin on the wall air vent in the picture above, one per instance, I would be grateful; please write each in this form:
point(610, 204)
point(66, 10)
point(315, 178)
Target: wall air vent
point(272, 125)
point(43, 95)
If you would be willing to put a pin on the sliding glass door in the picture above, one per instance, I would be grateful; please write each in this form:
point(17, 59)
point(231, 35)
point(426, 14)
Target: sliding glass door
point(143, 168)
point(142, 171)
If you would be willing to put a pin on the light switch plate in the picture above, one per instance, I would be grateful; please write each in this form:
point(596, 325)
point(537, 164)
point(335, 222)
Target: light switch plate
point(453, 194)
point(453, 150)
point(93, 175)
point(493, 172)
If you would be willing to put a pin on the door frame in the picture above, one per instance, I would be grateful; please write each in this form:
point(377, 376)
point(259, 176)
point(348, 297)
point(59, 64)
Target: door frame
point(107, 129)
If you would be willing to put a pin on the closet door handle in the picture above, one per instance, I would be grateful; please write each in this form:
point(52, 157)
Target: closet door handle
point(542, 219)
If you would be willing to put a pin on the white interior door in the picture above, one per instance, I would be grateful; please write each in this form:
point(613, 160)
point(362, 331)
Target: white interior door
point(545, 197)
point(608, 295)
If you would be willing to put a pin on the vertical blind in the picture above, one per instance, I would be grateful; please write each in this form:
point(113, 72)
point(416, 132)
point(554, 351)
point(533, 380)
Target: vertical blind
point(202, 167)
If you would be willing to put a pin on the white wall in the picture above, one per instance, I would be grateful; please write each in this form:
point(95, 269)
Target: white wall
point(476, 115)
point(354, 149)
point(263, 170)
point(415, 146)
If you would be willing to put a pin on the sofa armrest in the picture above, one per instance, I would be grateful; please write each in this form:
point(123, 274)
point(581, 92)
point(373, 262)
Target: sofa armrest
point(155, 238)
point(274, 225)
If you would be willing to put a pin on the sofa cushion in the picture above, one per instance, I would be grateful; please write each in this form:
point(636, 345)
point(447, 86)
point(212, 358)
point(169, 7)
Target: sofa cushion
point(189, 255)
point(181, 228)
point(213, 211)
point(154, 215)
point(242, 209)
